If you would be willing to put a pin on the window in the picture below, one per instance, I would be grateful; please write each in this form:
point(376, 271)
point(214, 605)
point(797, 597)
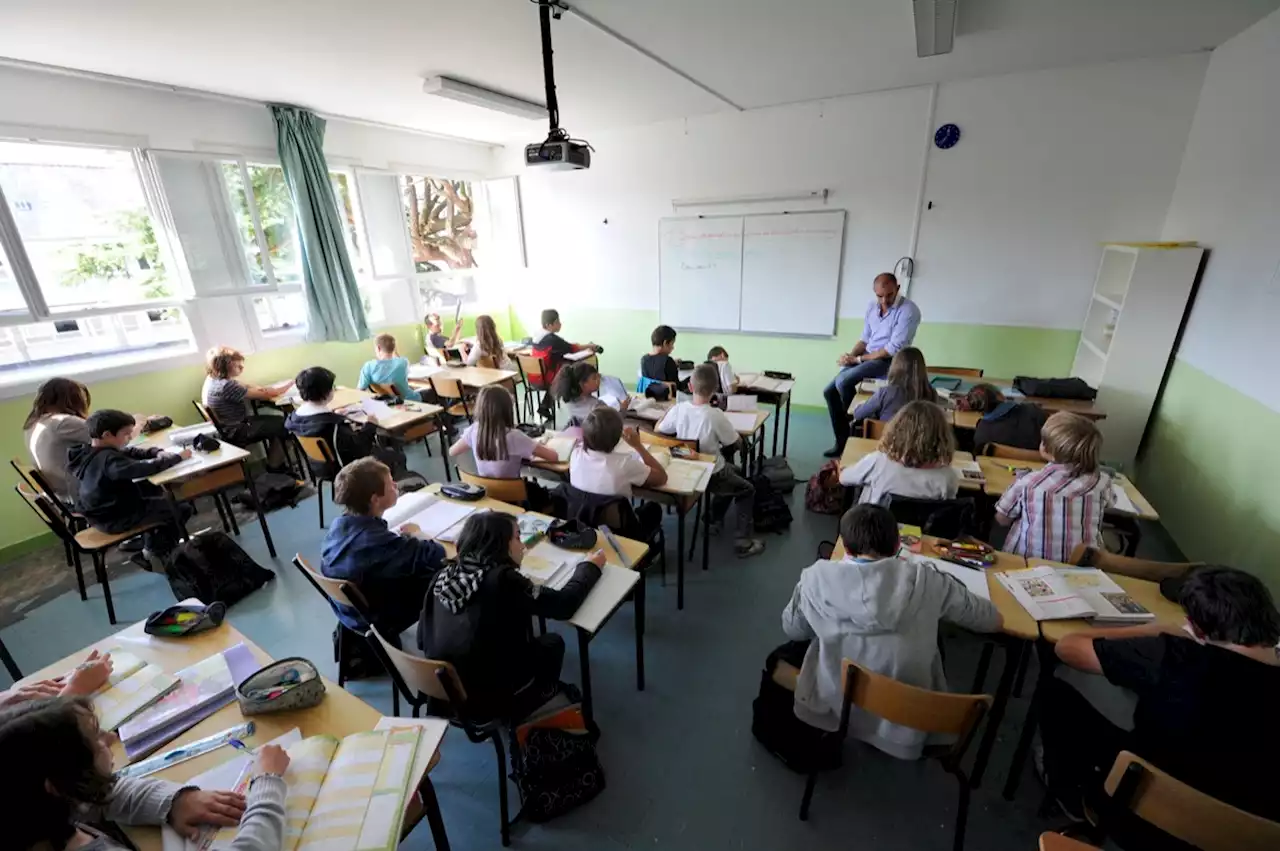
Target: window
point(280, 311)
point(265, 222)
point(86, 228)
point(349, 212)
point(438, 213)
point(115, 336)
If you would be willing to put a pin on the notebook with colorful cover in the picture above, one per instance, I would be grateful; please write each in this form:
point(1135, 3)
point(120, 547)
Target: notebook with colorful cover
point(133, 686)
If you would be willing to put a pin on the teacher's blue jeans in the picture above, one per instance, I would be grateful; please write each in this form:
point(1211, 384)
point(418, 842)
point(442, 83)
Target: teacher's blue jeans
point(840, 392)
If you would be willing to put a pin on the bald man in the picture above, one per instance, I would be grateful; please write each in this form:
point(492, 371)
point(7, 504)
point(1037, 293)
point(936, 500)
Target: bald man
point(889, 326)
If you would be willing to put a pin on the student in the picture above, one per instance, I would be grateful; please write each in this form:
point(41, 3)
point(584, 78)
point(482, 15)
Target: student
point(228, 400)
point(595, 467)
point(1061, 505)
point(435, 333)
point(914, 458)
point(89, 676)
point(478, 616)
point(114, 495)
point(551, 348)
point(387, 367)
point(658, 365)
point(576, 386)
point(728, 378)
point(59, 780)
point(880, 611)
point(57, 423)
point(1197, 703)
point(392, 571)
point(488, 345)
point(697, 420)
point(1005, 422)
point(499, 447)
point(908, 380)
point(350, 442)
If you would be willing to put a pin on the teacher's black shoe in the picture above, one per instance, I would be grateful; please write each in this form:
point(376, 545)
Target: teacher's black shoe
point(833, 452)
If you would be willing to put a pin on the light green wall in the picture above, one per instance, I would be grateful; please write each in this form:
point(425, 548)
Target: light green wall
point(1001, 350)
point(170, 392)
point(1211, 469)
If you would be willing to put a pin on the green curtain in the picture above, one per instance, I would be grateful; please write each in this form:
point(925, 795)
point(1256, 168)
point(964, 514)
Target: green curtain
point(335, 309)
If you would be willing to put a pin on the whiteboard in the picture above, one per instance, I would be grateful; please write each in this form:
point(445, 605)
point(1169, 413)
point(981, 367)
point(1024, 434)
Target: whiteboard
point(700, 272)
point(773, 273)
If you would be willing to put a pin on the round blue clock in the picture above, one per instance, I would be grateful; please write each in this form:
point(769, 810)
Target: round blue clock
point(947, 136)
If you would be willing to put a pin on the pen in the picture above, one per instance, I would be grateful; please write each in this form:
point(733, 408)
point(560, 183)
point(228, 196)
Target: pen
point(613, 542)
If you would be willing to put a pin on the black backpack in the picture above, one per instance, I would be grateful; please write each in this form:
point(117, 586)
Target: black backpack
point(213, 568)
point(771, 513)
point(274, 490)
point(556, 771)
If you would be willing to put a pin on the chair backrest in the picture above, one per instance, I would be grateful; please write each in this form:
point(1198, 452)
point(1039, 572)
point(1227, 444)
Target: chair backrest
point(938, 712)
point(532, 367)
point(486, 362)
point(384, 390)
point(966, 371)
point(513, 491)
point(873, 429)
point(333, 590)
point(35, 480)
point(1138, 568)
point(23, 470)
point(1014, 453)
point(416, 676)
point(206, 413)
point(943, 518)
point(317, 449)
point(1058, 842)
point(655, 439)
point(51, 516)
point(446, 388)
point(1185, 812)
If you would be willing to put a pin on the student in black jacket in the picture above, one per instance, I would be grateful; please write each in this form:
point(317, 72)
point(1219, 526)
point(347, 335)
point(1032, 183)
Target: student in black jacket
point(349, 440)
point(113, 494)
point(658, 365)
point(1010, 423)
point(477, 615)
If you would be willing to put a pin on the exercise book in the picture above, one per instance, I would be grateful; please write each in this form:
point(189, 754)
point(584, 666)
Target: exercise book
point(742, 420)
point(436, 518)
point(132, 686)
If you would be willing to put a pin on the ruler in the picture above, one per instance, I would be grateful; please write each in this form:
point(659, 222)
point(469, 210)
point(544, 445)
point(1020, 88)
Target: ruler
point(200, 747)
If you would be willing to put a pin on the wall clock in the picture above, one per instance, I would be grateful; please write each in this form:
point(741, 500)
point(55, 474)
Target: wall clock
point(947, 136)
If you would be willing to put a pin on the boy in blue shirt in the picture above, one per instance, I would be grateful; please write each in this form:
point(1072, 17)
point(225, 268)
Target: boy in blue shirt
point(392, 571)
point(388, 368)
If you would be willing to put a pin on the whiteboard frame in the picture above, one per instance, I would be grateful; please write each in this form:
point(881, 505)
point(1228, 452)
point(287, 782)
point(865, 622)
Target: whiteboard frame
point(835, 316)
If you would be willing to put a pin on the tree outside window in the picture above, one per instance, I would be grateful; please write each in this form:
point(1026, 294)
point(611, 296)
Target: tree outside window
point(439, 213)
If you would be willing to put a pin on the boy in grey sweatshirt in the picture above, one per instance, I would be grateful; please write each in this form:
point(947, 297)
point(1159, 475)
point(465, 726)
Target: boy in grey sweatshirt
point(882, 612)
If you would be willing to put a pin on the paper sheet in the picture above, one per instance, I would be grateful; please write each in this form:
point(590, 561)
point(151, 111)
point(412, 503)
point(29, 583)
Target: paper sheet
point(1120, 500)
point(438, 517)
point(580, 355)
point(741, 420)
point(612, 391)
point(688, 476)
point(742, 402)
point(559, 444)
point(974, 580)
point(375, 408)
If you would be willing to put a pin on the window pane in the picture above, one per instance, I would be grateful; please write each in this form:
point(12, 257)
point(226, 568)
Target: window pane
point(85, 225)
point(438, 213)
point(281, 311)
point(275, 213)
point(10, 295)
point(28, 348)
point(350, 218)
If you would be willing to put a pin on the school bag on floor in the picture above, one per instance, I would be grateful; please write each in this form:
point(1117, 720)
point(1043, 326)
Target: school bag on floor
point(823, 494)
point(779, 474)
point(554, 764)
point(771, 512)
point(274, 490)
point(213, 568)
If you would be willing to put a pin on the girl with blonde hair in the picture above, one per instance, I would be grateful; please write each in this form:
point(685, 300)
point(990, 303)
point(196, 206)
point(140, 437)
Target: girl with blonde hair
point(913, 460)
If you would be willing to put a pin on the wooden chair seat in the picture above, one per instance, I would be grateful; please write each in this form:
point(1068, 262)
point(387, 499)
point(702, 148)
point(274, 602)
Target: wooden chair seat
point(94, 539)
point(1014, 453)
point(513, 491)
point(786, 675)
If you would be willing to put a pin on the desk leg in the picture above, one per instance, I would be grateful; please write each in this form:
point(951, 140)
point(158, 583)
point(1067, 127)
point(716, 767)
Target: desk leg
point(584, 659)
point(777, 415)
point(11, 666)
point(431, 809)
point(706, 533)
point(444, 454)
point(639, 614)
point(680, 562)
point(262, 517)
point(1012, 652)
point(786, 434)
point(760, 449)
point(1044, 651)
point(231, 513)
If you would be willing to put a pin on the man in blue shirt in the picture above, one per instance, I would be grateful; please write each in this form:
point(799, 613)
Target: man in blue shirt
point(889, 326)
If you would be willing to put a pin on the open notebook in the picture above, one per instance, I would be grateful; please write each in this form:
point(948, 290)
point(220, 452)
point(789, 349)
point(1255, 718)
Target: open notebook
point(344, 795)
point(1049, 593)
point(132, 687)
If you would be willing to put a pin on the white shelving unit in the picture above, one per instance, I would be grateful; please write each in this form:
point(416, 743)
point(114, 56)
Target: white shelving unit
point(1140, 296)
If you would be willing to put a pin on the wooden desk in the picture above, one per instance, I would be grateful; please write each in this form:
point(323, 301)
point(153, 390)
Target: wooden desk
point(618, 581)
point(751, 446)
point(469, 376)
point(777, 391)
point(1000, 478)
point(958, 419)
point(339, 714)
point(1083, 407)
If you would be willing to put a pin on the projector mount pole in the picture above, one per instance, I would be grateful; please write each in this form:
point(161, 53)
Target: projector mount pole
point(546, 10)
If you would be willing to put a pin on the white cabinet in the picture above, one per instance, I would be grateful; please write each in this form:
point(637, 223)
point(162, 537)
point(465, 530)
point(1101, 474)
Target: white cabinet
point(1140, 297)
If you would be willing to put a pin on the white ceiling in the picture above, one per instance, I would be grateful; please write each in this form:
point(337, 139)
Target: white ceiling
point(367, 59)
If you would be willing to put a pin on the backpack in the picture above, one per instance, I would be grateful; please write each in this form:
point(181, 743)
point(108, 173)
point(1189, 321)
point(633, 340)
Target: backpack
point(213, 568)
point(799, 746)
point(779, 474)
point(823, 494)
point(274, 490)
point(556, 771)
point(771, 512)
point(1055, 388)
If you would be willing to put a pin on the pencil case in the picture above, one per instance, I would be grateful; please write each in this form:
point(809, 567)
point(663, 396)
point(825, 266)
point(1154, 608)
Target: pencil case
point(282, 686)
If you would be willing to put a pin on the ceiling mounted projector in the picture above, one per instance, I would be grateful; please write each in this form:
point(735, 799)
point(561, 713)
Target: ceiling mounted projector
point(557, 151)
point(935, 26)
point(448, 87)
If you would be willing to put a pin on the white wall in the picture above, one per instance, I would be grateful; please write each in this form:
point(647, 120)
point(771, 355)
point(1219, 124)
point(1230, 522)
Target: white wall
point(186, 123)
point(1051, 164)
point(1228, 198)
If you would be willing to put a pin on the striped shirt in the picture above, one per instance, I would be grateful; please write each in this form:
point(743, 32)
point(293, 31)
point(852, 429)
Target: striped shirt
point(1055, 510)
point(227, 399)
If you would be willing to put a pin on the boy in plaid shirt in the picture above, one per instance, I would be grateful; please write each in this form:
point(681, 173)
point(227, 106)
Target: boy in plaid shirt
point(1055, 508)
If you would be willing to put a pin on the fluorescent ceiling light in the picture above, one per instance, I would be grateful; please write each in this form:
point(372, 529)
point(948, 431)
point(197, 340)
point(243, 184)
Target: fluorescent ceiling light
point(447, 87)
point(935, 26)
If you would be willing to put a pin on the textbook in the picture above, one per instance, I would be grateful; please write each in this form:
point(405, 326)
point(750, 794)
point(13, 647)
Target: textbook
point(1055, 593)
point(343, 793)
point(969, 471)
point(132, 687)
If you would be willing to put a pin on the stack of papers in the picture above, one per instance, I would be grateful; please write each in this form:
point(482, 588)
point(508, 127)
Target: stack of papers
point(742, 420)
point(1049, 593)
point(437, 519)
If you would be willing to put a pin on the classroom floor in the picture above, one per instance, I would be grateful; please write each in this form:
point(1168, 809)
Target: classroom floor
point(683, 769)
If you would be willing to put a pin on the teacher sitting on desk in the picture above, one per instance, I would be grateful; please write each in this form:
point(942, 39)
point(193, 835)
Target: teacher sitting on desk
point(890, 325)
